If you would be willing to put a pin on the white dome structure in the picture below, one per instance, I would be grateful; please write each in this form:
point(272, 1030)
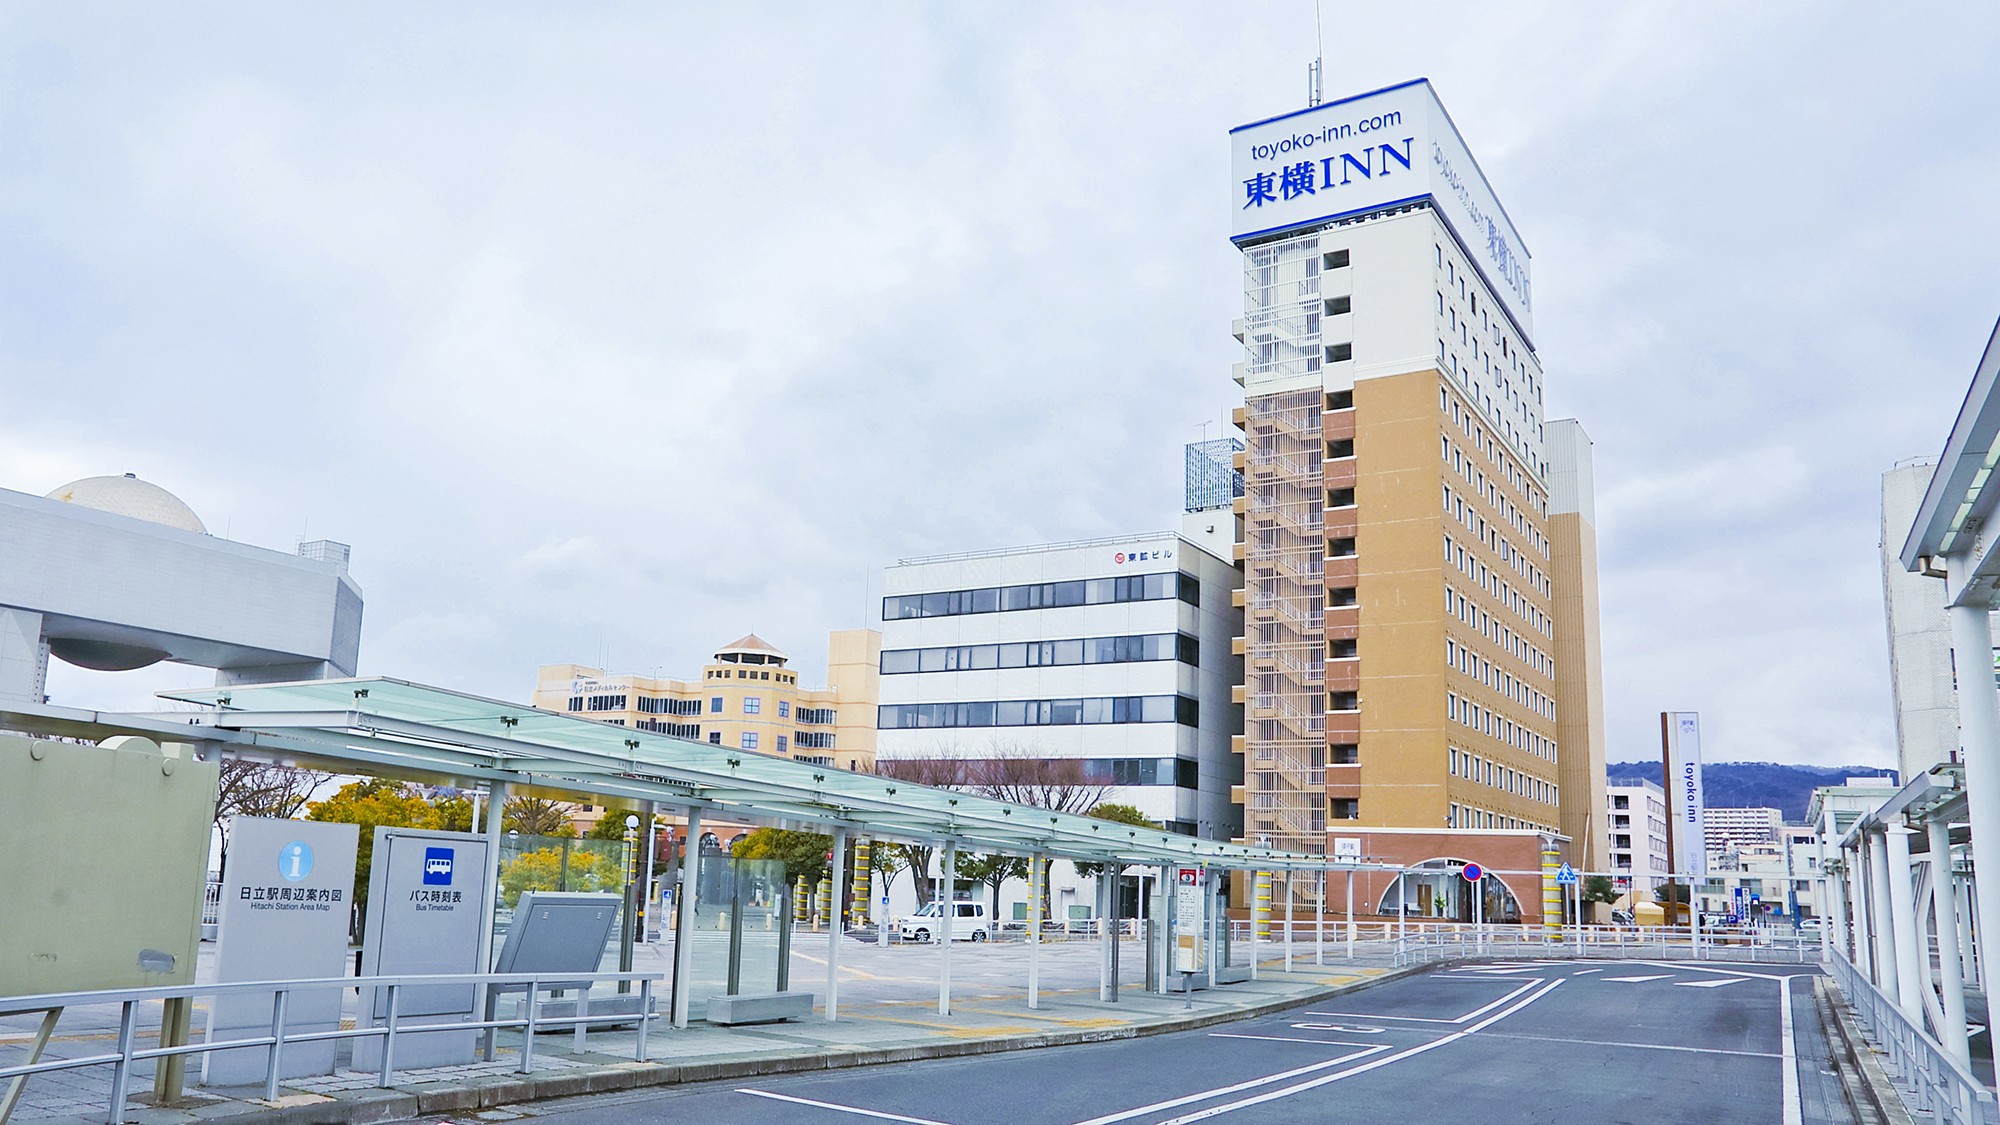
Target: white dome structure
point(130, 496)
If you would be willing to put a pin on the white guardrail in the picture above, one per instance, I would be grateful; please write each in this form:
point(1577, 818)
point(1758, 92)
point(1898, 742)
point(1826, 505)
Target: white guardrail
point(1431, 940)
point(280, 1036)
point(1934, 1085)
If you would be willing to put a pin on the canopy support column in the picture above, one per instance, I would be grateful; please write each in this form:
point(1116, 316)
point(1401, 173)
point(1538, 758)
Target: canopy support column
point(1979, 731)
point(835, 930)
point(947, 915)
point(1037, 886)
point(1951, 980)
point(1910, 977)
point(684, 916)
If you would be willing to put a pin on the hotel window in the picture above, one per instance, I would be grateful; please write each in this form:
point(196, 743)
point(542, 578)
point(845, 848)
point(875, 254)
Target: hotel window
point(784, 708)
point(715, 737)
point(1337, 305)
point(1346, 808)
point(781, 743)
point(1346, 754)
point(1336, 259)
point(1335, 353)
point(753, 705)
point(715, 705)
point(749, 740)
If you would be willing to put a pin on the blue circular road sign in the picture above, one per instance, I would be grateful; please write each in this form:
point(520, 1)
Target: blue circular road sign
point(1472, 872)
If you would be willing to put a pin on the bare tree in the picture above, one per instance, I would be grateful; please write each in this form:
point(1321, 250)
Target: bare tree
point(247, 788)
point(538, 816)
point(1019, 775)
point(942, 772)
point(1012, 772)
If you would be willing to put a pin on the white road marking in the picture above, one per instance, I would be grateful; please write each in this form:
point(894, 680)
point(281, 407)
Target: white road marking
point(1349, 1028)
point(1638, 1046)
point(1636, 980)
point(1315, 1083)
point(1491, 972)
point(1794, 1108)
point(1238, 1087)
point(1286, 1039)
point(1723, 983)
point(1473, 1014)
point(1580, 972)
point(856, 1110)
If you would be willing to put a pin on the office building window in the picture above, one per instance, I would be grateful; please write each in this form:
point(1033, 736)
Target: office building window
point(1042, 712)
point(715, 737)
point(749, 740)
point(782, 740)
point(1038, 654)
point(715, 705)
point(812, 740)
point(784, 708)
point(1046, 595)
point(605, 703)
point(753, 705)
point(575, 703)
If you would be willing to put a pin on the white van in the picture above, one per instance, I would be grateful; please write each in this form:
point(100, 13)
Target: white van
point(969, 923)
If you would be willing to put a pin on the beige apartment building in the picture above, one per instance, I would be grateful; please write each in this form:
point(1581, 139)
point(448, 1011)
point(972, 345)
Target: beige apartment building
point(1420, 605)
point(748, 698)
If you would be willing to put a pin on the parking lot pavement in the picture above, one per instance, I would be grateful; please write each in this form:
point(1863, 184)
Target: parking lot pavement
point(1552, 1041)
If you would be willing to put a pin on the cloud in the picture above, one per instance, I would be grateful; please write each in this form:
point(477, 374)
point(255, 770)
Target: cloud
point(612, 334)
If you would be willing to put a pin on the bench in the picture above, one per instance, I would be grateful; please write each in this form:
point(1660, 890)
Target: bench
point(760, 1007)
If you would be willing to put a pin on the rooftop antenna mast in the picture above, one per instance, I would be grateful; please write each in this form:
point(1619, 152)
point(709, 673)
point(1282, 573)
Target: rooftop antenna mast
point(1316, 71)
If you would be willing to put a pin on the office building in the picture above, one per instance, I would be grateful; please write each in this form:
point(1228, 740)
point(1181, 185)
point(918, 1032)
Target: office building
point(1111, 656)
point(1420, 634)
point(749, 698)
point(1638, 837)
point(1920, 664)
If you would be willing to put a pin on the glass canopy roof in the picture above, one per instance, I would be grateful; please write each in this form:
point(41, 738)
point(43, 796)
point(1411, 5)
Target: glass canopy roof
point(403, 729)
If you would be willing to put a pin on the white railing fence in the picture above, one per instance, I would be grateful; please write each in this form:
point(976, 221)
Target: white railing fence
point(1934, 1085)
point(280, 1035)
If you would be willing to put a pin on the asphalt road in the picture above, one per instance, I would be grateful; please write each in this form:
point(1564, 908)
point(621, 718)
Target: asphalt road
point(1536, 1042)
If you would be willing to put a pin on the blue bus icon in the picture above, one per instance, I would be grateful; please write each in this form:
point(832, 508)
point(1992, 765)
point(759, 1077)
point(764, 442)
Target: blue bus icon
point(437, 867)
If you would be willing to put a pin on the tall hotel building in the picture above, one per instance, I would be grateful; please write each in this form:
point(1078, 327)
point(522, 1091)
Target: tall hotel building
point(1420, 630)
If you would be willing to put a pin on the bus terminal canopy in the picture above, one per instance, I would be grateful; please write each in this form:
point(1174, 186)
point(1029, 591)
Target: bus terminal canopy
point(409, 730)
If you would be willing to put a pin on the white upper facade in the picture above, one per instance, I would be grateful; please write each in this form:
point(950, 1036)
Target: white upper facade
point(1114, 652)
point(1386, 294)
point(1636, 824)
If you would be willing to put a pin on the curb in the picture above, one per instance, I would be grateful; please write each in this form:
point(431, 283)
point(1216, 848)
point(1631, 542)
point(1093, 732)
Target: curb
point(1870, 1093)
point(402, 1103)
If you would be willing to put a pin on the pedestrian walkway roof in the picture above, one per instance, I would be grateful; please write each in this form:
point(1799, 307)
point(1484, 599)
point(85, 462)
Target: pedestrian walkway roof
point(1958, 509)
point(396, 728)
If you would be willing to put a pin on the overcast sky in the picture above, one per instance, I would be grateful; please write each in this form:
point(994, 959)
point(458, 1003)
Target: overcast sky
point(605, 333)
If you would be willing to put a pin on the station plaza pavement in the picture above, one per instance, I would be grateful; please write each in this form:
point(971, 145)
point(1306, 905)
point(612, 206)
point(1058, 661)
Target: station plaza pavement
point(888, 1012)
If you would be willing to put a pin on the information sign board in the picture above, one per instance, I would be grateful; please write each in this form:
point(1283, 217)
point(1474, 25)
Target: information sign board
point(427, 900)
point(1190, 895)
point(287, 895)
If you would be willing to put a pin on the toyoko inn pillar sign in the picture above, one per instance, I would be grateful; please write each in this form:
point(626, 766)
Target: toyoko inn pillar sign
point(287, 889)
point(427, 900)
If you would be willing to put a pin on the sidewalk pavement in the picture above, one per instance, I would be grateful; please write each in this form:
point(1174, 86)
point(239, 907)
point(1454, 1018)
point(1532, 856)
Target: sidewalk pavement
point(888, 1013)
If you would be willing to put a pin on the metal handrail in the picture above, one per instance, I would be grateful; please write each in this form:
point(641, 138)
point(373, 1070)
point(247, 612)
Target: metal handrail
point(278, 1038)
point(1932, 1083)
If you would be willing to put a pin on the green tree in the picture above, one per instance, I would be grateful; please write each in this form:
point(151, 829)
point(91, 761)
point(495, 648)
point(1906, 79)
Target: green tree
point(454, 813)
point(1599, 888)
point(992, 870)
point(370, 804)
point(802, 853)
point(612, 827)
point(543, 870)
point(1117, 814)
